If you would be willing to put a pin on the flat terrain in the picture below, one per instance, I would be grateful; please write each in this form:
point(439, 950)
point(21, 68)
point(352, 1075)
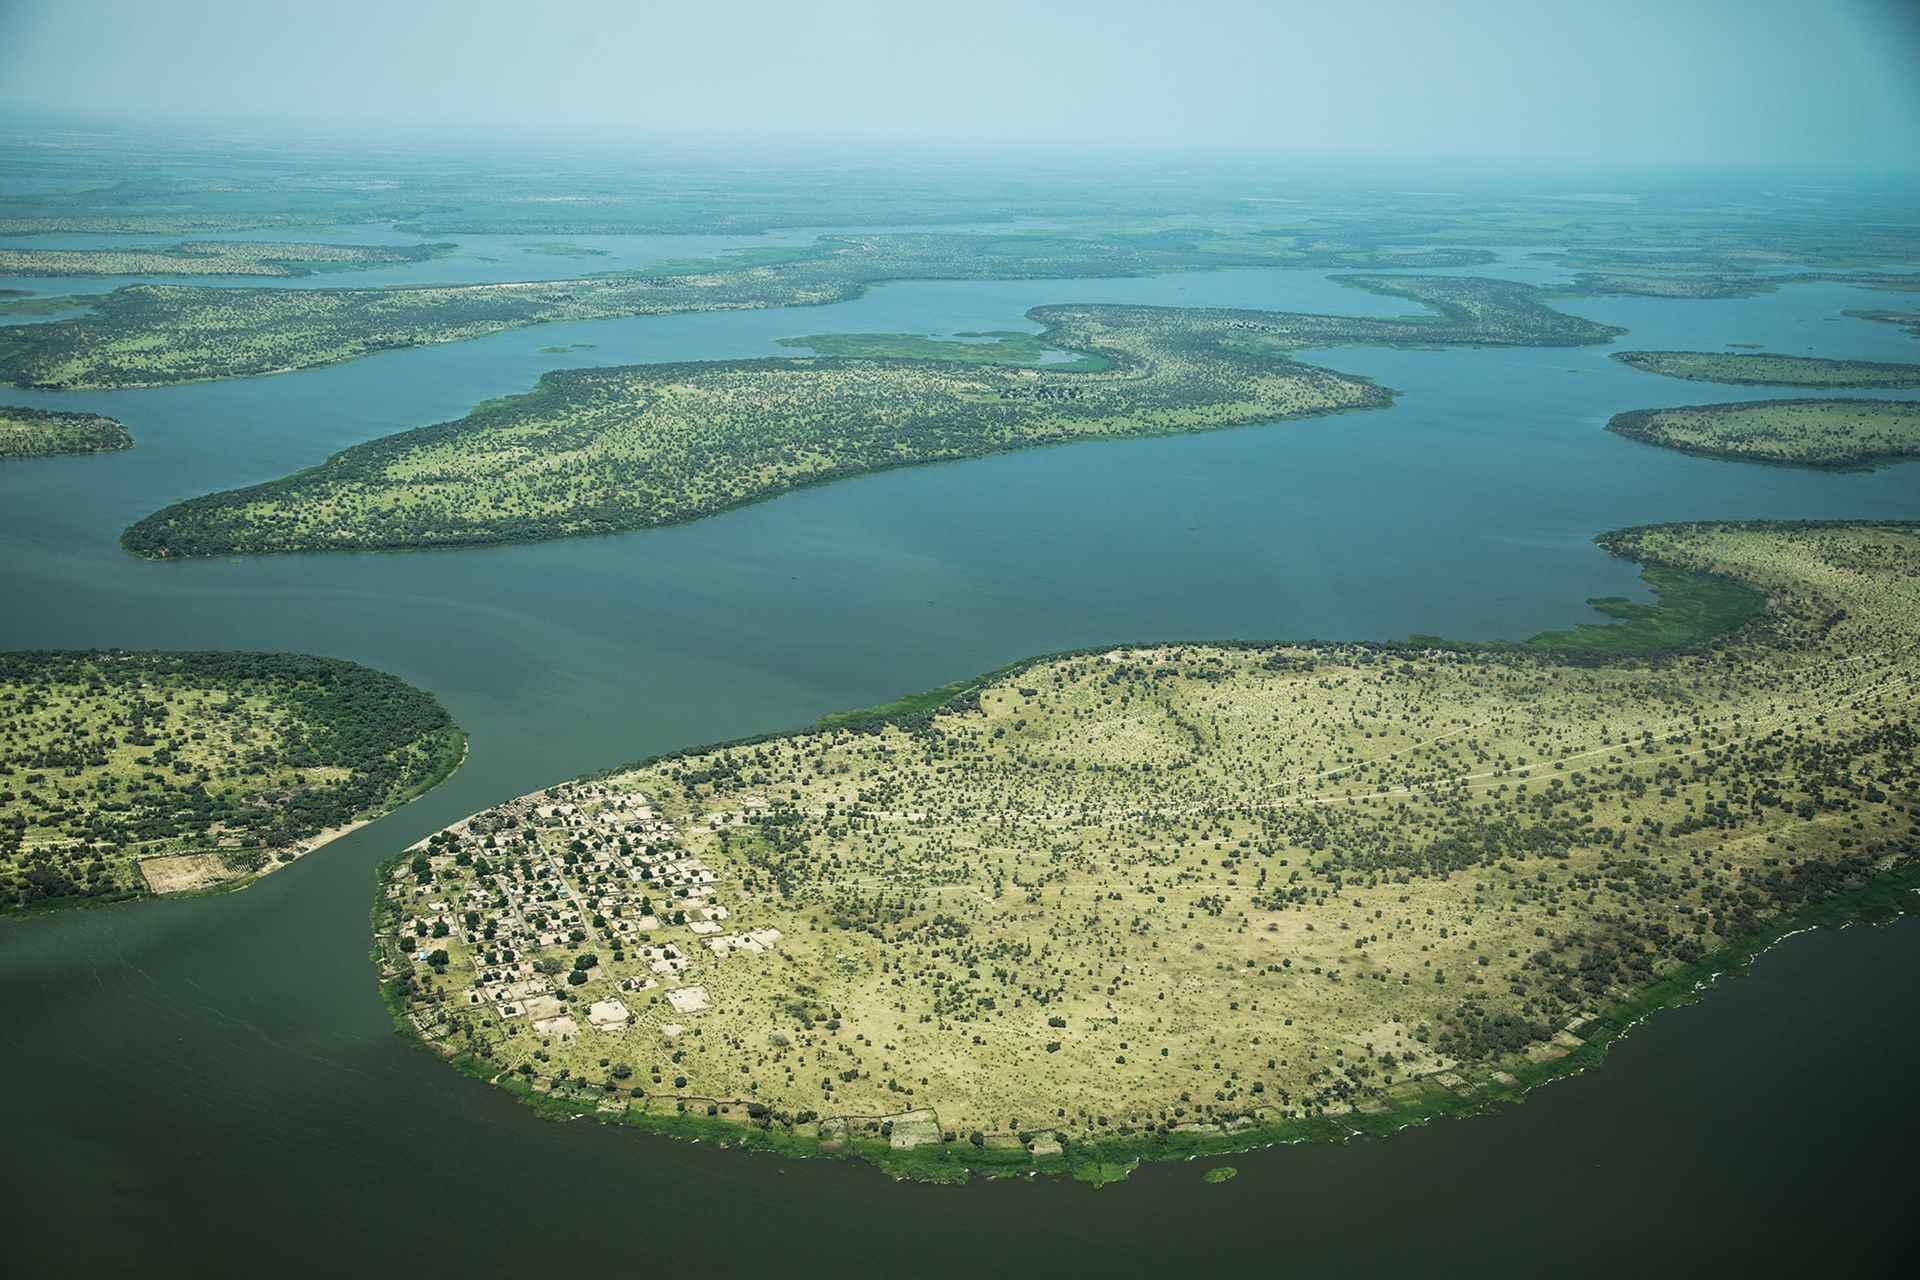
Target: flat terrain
point(152, 335)
point(1145, 893)
point(1766, 368)
point(603, 450)
point(28, 433)
point(1813, 433)
point(126, 773)
point(213, 258)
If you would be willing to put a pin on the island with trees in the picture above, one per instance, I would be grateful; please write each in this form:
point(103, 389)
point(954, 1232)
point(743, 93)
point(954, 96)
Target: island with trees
point(1179, 899)
point(216, 258)
point(603, 450)
point(1908, 320)
point(34, 433)
point(159, 334)
point(1827, 432)
point(131, 773)
point(1767, 368)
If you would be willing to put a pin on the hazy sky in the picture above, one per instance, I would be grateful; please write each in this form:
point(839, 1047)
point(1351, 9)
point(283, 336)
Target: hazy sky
point(1741, 81)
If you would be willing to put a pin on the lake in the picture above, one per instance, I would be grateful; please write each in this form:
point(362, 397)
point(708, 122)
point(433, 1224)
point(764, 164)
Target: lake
point(217, 1079)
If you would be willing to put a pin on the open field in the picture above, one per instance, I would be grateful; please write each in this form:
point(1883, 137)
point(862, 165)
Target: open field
point(1110, 904)
point(28, 433)
point(602, 450)
point(213, 258)
point(125, 773)
point(1766, 368)
point(152, 335)
point(1809, 433)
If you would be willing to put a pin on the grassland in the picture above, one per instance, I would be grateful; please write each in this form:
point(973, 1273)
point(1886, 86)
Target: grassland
point(1807, 433)
point(1766, 368)
point(30, 433)
point(1175, 899)
point(153, 335)
point(603, 450)
point(125, 773)
point(214, 258)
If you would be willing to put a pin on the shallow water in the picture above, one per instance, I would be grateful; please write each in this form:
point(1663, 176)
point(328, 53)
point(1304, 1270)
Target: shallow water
point(218, 1077)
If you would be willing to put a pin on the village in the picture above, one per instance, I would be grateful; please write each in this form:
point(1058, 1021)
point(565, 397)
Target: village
point(553, 876)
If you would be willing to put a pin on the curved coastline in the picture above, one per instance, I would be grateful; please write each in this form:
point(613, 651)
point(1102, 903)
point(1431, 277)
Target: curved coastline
point(1879, 885)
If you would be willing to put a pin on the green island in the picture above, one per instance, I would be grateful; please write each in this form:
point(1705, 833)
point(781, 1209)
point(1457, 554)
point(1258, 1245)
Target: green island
point(561, 249)
point(1836, 432)
point(1767, 368)
point(215, 258)
point(131, 773)
point(23, 302)
point(34, 433)
point(1908, 320)
point(155, 335)
point(999, 346)
point(1629, 284)
point(594, 451)
point(1184, 899)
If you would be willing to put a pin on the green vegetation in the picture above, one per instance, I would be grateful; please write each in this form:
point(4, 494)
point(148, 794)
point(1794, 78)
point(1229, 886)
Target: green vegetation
point(29, 433)
point(1807, 433)
point(1219, 1174)
point(603, 450)
point(1908, 320)
point(129, 773)
point(1179, 900)
point(20, 302)
point(152, 335)
point(1766, 368)
point(1602, 284)
point(214, 258)
point(1001, 346)
point(561, 249)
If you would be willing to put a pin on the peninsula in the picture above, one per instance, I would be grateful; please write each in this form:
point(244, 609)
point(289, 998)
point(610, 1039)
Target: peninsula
point(124, 774)
point(1766, 368)
point(32, 433)
point(1166, 900)
point(155, 335)
point(215, 258)
point(605, 450)
point(1806, 433)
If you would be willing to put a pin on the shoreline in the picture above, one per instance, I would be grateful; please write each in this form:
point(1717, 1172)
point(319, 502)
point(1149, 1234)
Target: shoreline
point(1879, 888)
point(1886, 896)
point(242, 880)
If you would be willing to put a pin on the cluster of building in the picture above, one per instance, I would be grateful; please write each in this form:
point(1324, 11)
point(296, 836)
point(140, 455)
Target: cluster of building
point(575, 868)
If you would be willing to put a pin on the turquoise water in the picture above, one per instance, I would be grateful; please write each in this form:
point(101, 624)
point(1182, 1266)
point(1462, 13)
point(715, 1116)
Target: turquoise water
point(217, 1076)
